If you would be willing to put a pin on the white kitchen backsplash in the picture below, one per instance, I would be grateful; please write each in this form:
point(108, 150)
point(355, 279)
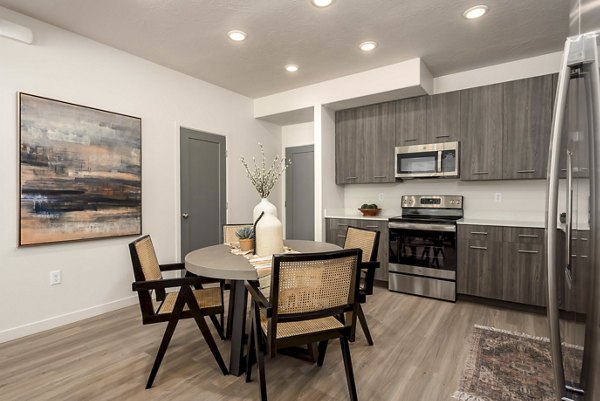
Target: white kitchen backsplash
point(519, 199)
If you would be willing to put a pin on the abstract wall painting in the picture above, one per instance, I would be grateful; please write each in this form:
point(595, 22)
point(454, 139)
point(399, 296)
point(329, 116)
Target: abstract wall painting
point(80, 172)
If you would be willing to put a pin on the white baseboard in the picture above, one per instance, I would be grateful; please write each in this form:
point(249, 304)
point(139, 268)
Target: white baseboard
point(56, 321)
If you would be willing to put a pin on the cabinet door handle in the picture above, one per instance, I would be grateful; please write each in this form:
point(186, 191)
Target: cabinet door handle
point(583, 239)
point(483, 248)
point(341, 236)
point(371, 226)
point(480, 172)
point(351, 178)
point(479, 233)
point(442, 136)
point(526, 251)
point(380, 176)
point(528, 236)
point(342, 225)
point(410, 140)
point(583, 256)
point(525, 171)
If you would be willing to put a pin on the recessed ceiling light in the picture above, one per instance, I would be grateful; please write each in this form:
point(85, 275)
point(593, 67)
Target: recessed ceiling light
point(322, 3)
point(292, 67)
point(237, 36)
point(367, 46)
point(476, 12)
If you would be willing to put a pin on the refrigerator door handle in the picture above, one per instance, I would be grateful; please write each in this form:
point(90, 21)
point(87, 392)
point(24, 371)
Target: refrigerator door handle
point(569, 219)
point(551, 219)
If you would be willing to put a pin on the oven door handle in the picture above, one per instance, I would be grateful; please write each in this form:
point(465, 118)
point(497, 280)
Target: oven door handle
point(423, 226)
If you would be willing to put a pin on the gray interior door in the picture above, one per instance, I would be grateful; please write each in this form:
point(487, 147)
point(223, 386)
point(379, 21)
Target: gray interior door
point(300, 193)
point(203, 200)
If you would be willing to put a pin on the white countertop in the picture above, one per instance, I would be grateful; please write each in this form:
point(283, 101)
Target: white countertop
point(502, 222)
point(357, 217)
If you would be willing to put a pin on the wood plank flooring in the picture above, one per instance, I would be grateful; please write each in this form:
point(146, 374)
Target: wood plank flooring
point(419, 353)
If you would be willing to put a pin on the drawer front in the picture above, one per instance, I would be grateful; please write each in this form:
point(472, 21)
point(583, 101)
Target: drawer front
point(381, 274)
point(523, 235)
point(581, 241)
point(337, 228)
point(479, 233)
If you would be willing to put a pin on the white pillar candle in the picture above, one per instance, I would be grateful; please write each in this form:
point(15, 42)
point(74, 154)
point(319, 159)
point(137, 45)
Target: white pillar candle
point(269, 235)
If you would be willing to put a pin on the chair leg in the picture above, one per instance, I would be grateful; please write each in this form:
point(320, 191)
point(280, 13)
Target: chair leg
point(260, 357)
point(201, 323)
point(364, 325)
point(250, 357)
point(229, 328)
point(322, 350)
point(218, 326)
point(164, 344)
point(348, 366)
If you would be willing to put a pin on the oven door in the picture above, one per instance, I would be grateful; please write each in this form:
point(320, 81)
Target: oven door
point(423, 249)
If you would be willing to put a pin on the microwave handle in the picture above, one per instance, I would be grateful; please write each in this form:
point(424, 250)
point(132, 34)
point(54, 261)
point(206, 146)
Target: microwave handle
point(439, 162)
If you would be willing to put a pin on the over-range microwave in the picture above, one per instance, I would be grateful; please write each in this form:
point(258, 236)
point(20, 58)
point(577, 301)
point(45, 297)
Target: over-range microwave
point(425, 161)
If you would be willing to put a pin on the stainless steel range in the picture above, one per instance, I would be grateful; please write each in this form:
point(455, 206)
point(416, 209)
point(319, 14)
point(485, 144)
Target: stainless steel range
point(423, 246)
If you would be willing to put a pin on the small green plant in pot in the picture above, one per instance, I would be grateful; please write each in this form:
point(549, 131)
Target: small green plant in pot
point(246, 236)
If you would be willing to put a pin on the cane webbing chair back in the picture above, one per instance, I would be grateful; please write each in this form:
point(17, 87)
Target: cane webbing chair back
point(366, 240)
point(314, 285)
point(229, 230)
point(314, 298)
point(147, 257)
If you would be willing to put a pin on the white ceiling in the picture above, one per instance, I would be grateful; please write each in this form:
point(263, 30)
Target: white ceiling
point(190, 35)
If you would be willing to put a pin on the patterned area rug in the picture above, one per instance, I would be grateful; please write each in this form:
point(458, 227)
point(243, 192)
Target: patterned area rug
point(506, 366)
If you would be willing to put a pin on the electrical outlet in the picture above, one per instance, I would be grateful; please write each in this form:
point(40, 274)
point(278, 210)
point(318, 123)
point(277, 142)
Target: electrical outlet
point(55, 277)
point(498, 197)
point(380, 196)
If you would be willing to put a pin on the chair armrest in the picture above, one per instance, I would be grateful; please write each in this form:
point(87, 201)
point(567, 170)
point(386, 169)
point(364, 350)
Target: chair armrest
point(259, 298)
point(165, 283)
point(172, 266)
point(368, 265)
point(370, 275)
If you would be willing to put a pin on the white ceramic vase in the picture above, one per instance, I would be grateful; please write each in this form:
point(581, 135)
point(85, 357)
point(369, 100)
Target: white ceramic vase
point(268, 235)
point(264, 206)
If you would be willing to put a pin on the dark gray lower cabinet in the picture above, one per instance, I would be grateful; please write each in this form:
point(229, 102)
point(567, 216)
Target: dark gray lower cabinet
point(524, 275)
point(507, 266)
point(335, 233)
point(478, 272)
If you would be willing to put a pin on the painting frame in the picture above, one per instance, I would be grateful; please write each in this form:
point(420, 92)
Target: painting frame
point(109, 215)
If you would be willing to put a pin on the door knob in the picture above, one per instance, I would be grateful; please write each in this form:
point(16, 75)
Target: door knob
point(185, 215)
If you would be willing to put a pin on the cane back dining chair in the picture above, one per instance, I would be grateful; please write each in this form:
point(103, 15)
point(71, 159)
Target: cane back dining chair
point(183, 304)
point(368, 242)
point(313, 298)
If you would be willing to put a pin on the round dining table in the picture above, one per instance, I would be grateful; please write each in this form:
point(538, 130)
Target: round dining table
point(217, 261)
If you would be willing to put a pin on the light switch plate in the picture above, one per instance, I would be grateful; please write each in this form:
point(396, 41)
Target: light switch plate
point(55, 277)
point(498, 197)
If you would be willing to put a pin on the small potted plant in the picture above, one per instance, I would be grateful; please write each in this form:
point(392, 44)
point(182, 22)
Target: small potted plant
point(369, 210)
point(246, 236)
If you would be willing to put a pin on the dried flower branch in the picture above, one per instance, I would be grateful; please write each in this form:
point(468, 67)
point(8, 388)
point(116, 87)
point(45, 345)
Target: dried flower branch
point(264, 179)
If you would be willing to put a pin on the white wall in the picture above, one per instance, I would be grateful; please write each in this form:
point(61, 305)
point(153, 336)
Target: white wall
point(97, 274)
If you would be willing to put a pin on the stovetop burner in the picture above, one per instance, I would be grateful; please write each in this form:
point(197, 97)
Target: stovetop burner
point(431, 209)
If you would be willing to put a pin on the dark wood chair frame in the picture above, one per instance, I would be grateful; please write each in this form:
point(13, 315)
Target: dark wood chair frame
point(186, 284)
point(260, 345)
point(368, 270)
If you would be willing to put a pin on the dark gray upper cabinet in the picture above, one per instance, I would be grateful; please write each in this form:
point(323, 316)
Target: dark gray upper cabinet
point(527, 127)
point(411, 121)
point(364, 144)
point(443, 118)
point(377, 130)
point(481, 125)
point(348, 142)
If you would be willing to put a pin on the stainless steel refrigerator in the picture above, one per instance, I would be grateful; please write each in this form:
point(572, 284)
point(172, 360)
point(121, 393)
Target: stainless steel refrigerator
point(573, 211)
